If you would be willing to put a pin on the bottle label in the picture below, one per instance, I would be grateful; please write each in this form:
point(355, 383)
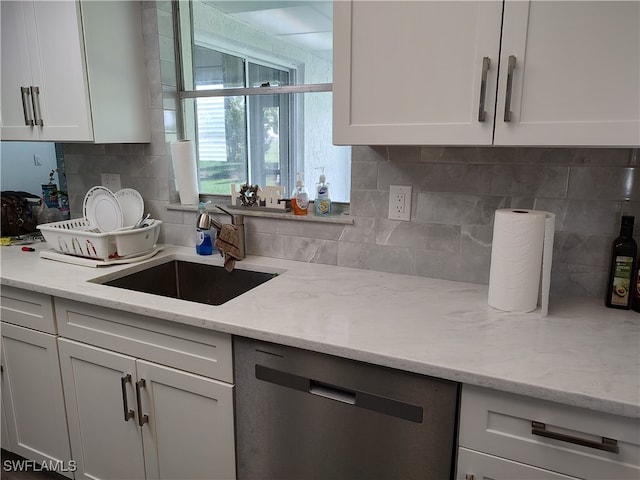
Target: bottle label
point(323, 207)
point(303, 200)
point(622, 281)
point(204, 245)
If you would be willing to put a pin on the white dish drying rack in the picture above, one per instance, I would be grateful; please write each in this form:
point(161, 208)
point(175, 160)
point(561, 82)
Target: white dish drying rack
point(76, 237)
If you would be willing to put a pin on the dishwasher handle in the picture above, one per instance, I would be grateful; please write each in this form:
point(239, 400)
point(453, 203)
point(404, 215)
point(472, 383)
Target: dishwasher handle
point(357, 398)
point(332, 392)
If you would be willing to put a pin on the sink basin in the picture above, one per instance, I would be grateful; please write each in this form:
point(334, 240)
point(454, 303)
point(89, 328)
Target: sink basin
point(195, 282)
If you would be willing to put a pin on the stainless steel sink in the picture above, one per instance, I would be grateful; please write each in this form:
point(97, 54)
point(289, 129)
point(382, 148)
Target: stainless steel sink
point(195, 282)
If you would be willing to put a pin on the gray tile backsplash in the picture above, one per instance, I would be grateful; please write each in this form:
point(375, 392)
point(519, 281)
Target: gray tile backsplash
point(455, 194)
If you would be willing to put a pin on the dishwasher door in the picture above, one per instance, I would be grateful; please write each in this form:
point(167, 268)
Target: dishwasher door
point(305, 415)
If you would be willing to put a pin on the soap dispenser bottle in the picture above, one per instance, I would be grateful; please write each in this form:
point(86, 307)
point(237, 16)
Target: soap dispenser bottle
point(204, 242)
point(322, 203)
point(300, 198)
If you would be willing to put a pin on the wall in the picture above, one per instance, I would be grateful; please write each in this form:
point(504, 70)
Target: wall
point(455, 192)
point(19, 171)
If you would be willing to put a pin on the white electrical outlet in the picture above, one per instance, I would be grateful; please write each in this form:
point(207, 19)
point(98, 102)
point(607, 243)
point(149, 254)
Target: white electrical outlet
point(400, 203)
point(111, 181)
point(37, 161)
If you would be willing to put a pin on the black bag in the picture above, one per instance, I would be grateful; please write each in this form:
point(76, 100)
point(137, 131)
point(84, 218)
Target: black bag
point(19, 213)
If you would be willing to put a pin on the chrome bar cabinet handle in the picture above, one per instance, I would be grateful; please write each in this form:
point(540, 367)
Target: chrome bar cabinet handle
point(511, 66)
point(123, 383)
point(24, 91)
point(607, 444)
point(37, 115)
point(486, 64)
point(142, 419)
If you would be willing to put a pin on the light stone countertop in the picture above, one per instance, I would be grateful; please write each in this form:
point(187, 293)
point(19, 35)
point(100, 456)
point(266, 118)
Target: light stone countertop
point(582, 354)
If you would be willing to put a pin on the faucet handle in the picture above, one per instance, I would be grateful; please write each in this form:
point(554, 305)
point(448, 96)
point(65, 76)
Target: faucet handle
point(236, 218)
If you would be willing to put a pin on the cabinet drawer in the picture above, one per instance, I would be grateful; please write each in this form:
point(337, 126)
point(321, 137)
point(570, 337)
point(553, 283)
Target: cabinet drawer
point(474, 465)
point(502, 424)
point(27, 309)
point(189, 348)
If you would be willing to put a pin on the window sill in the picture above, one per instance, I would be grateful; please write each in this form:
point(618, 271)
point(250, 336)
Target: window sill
point(343, 218)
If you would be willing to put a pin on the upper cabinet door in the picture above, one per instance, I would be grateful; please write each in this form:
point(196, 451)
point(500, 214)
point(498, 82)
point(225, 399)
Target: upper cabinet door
point(408, 72)
point(62, 78)
point(575, 76)
point(82, 68)
point(15, 101)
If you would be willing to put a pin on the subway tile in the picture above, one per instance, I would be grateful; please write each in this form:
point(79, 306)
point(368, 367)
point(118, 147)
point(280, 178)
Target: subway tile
point(429, 236)
point(577, 280)
point(166, 48)
point(168, 74)
point(532, 180)
point(165, 23)
point(322, 231)
point(364, 176)
point(369, 154)
point(398, 154)
point(369, 203)
point(363, 230)
point(264, 244)
point(592, 217)
point(476, 240)
point(458, 209)
point(475, 155)
point(440, 177)
point(259, 225)
point(376, 257)
point(577, 249)
point(604, 183)
point(457, 267)
point(310, 250)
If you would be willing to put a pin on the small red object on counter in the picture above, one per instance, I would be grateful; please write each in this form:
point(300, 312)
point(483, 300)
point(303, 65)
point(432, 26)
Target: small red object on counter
point(28, 249)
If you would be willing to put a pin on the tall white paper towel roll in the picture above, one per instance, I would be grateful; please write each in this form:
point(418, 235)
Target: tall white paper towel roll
point(520, 274)
point(185, 170)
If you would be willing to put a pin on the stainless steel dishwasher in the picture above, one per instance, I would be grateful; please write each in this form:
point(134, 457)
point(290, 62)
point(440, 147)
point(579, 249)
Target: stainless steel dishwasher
point(305, 415)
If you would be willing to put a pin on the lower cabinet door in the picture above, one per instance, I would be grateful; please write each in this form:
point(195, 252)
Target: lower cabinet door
point(189, 430)
point(32, 398)
point(474, 465)
point(99, 387)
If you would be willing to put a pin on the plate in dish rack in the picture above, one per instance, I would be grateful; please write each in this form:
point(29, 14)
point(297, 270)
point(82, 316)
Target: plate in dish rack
point(102, 210)
point(132, 206)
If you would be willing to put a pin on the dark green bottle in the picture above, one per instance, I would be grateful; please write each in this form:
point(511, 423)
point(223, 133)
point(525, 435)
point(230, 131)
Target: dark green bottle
point(623, 260)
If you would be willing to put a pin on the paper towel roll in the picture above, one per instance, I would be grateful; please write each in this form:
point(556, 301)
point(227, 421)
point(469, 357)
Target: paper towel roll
point(521, 252)
point(185, 170)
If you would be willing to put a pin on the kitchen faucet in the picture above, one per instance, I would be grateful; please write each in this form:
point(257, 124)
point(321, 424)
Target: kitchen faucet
point(237, 219)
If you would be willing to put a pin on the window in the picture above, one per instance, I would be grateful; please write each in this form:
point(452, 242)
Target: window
point(256, 94)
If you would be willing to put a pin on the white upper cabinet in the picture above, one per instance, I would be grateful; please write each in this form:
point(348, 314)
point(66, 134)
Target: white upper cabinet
point(576, 79)
point(73, 72)
point(437, 73)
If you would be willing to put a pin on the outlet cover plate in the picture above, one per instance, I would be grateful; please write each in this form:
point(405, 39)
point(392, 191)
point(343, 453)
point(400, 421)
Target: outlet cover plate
point(111, 181)
point(400, 203)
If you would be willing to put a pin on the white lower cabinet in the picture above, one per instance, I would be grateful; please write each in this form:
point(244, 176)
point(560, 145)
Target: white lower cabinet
point(512, 437)
point(474, 465)
point(32, 399)
point(131, 419)
point(130, 416)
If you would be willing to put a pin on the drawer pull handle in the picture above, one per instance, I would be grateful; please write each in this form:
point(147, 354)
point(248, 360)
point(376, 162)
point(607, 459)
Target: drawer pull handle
point(607, 444)
point(142, 419)
point(123, 383)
